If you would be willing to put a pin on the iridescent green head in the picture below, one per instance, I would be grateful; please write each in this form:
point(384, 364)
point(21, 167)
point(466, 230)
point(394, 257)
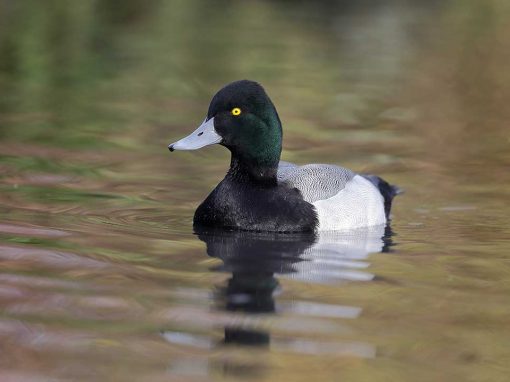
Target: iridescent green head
point(242, 118)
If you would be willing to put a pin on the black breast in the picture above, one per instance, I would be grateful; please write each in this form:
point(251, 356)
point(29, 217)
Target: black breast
point(254, 207)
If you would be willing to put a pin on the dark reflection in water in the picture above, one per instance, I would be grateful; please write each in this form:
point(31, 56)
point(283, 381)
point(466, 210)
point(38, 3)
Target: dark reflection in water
point(256, 261)
point(253, 259)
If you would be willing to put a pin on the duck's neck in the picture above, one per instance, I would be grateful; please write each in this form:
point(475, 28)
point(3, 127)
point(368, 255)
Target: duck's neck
point(259, 173)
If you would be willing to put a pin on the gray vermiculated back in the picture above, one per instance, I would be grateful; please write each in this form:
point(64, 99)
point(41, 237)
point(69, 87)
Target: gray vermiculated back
point(285, 169)
point(315, 181)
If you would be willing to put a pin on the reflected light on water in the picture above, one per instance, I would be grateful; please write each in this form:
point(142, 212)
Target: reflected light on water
point(247, 306)
point(101, 275)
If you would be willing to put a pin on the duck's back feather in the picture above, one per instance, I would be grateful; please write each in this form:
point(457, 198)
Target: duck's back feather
point(342, 199)
point(315, 181)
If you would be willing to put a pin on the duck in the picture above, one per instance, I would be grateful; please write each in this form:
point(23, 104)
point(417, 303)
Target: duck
point(262, 193)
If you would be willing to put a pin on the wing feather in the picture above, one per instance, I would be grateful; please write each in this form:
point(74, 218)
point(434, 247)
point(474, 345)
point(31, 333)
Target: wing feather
point(315, 181)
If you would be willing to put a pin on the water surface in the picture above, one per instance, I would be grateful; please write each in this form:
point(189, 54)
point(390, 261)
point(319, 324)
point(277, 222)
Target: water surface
point(102, 277)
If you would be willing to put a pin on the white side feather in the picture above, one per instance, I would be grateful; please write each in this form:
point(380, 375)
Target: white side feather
point(359, 204)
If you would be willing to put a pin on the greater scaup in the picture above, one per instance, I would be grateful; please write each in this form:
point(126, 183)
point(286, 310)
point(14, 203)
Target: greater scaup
point(262, 193)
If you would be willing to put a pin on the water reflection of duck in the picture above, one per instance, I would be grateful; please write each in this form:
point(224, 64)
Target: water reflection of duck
point(246, 307)
point(254, 259)
point(259, 192)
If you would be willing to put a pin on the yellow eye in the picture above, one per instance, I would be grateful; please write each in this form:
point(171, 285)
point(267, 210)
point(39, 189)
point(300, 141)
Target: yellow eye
point(236, 111)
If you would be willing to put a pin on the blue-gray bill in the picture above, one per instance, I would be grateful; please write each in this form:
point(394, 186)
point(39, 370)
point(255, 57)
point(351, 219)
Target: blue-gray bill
point(205, 135)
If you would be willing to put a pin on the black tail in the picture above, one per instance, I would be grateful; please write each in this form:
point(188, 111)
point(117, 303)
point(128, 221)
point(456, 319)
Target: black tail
point(387, 190)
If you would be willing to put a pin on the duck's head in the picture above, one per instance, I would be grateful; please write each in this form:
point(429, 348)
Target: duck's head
point(242, 118)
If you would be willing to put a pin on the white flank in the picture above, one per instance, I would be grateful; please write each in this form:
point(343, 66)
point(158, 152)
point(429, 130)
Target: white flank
point(359, 204)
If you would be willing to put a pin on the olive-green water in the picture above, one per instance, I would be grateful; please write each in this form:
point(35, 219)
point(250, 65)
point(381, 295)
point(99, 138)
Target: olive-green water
point(101, 275)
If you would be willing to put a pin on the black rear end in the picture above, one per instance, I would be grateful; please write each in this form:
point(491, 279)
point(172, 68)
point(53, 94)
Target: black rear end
point(387, 190)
